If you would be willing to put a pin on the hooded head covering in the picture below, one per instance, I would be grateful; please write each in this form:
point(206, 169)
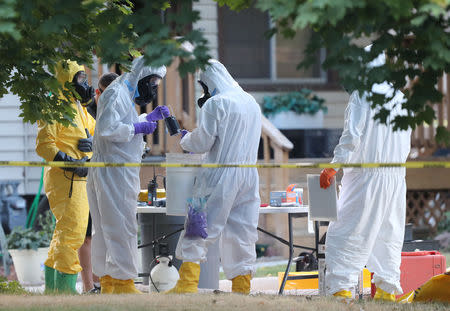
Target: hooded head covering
point(66, 70)
point(379, 61)
point(384, 87)
point(138, 71)
point(217, 78)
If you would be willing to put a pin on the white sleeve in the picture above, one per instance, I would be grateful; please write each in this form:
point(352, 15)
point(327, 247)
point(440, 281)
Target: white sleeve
point(110, 125)
point(203, 137)
point(355, 121)
point(142, 117)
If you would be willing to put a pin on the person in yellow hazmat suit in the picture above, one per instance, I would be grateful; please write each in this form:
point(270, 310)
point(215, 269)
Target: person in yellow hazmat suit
point(66, 187)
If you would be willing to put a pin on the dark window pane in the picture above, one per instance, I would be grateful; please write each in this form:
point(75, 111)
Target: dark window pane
point(243, 48)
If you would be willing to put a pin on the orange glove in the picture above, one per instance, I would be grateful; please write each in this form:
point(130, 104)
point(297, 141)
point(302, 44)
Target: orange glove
point(325, 177)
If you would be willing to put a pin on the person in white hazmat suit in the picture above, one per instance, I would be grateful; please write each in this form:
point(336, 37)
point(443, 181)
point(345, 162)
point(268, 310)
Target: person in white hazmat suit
point(113, 191)
point(229, 131)
point(370, 224)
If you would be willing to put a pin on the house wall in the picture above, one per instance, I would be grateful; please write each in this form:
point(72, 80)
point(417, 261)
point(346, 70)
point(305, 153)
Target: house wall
point(17, 143)
point(335, 100)
point(208, 25)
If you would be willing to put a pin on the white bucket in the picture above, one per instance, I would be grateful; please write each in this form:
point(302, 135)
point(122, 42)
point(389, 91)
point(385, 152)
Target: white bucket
point(180, 182)
point(29, 265)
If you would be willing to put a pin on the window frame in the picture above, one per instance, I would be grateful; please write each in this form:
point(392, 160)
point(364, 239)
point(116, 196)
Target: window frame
point(328, 80)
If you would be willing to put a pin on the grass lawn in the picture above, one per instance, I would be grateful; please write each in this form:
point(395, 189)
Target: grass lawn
point(198, 302)
point(266, 271)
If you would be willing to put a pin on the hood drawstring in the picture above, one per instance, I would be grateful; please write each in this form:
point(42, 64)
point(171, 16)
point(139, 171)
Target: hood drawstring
point(71, 185)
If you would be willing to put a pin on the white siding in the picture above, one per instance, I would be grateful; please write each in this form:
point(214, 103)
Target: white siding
point(17, 143)
point(209, 26)
point(208, 23)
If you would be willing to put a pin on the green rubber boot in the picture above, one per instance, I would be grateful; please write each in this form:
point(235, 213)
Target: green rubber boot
point(66, 283)
point(50, 275)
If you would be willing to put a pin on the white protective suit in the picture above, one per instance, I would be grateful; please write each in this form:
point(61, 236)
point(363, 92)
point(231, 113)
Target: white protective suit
point(372, 204)
point(113, 191)
point(229, 132)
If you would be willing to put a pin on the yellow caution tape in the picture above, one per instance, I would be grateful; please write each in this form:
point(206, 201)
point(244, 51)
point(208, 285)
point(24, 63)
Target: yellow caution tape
point(423, 164)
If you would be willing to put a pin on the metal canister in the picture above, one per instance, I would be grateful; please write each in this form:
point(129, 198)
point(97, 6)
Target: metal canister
point(172, 125)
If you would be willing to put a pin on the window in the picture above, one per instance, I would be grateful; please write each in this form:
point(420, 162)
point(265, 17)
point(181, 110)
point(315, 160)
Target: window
point(244, 50)
point(254, 59)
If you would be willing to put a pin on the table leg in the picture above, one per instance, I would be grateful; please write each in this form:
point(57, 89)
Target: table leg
point(317, 237)
point(154, 236)
point(291, 254)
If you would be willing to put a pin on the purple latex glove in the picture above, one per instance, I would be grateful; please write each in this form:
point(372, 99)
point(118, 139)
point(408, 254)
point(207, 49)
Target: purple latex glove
point(184, 132)
point(196, 224)
point(144, 127)
point(159, 113)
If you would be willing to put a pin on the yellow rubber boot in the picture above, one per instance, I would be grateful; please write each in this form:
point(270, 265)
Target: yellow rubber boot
point(106, 284)
point(241, 284)
point(382, 295)
point(188, 282)
point(406, 298)
point(124, 287)
point(346, 294)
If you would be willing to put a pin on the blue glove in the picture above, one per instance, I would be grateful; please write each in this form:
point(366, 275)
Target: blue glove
point(184, 132)
point(144, 127)
point(85, 144)
point(196, 224)
point(160, 112)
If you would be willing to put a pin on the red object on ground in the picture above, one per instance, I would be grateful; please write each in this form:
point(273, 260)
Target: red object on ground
point(417, 268)
point(264, 205)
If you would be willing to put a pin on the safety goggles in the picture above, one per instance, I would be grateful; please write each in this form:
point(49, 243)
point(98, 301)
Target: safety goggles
point(81, 77)
point(155, 80)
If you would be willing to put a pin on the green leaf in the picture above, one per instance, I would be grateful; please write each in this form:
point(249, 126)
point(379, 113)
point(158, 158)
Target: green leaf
point(21, 238)
point(443, 136)
point(301, 102)
point(337, 23)
point(418, 20)
point(35, 35)
point(236, 5)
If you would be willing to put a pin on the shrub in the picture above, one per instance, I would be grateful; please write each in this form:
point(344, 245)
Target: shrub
point(301, 102)
point(29, 238)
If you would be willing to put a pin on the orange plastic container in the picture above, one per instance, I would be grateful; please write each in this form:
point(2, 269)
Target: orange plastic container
point(417, 268)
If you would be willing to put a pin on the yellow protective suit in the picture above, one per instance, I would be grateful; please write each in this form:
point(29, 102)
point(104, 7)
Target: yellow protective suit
point(71, 213)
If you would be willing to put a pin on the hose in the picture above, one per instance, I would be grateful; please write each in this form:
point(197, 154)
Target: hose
point(31, 217)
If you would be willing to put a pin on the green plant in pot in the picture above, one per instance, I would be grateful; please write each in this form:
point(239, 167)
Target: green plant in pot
point(28, 248)
point(299, 109)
